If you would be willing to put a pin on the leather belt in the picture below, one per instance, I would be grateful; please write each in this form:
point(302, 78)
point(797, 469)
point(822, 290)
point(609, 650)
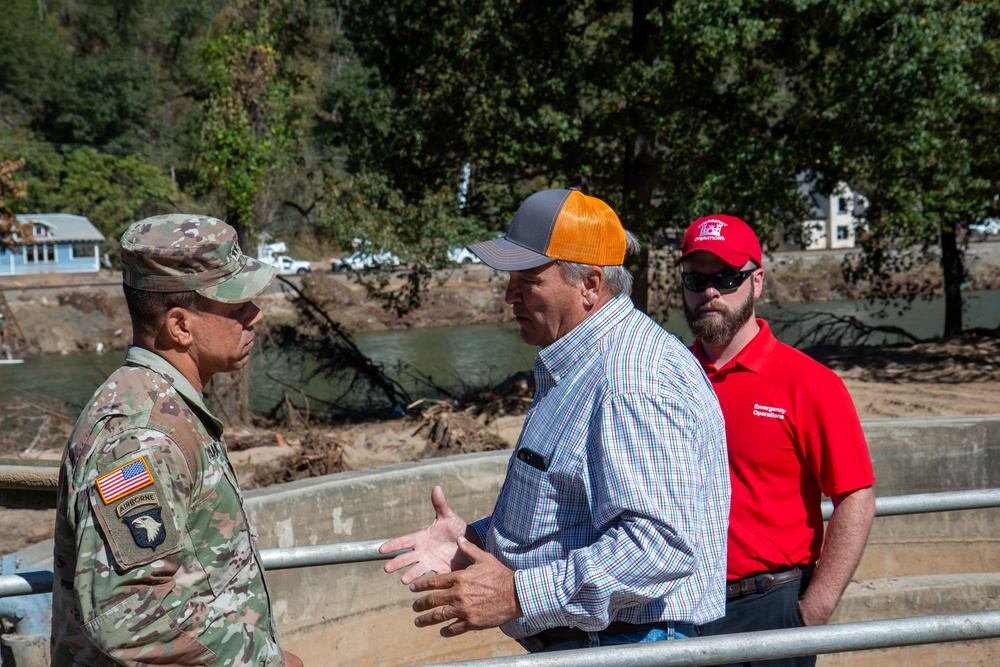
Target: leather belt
point(760, 583)
point(545, 638)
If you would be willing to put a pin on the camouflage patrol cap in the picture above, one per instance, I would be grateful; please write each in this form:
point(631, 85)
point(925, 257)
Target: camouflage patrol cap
point(181, 252)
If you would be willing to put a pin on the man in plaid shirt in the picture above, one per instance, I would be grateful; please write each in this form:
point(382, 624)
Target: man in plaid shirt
point(610, 527)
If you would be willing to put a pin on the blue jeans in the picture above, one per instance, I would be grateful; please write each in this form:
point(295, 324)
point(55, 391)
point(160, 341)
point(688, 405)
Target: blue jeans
point(673, 631)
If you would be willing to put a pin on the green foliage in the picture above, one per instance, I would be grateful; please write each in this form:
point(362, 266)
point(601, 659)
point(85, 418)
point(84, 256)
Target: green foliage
point(119, 77)
point(902, 99)
point(111, 191)
point(42, 171)
point(359, 117)
point(114, 192)
point(10, 188)
point(26, 48)
point(367, 207)
point(103, 100)
point(367, 213)
point(673, 111)
point(659, 112)
point(666, 112)
point(481, 82)
point(249, 126)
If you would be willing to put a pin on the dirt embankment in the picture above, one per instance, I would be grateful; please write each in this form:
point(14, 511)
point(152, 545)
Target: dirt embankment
point(939, 378)
point(56, 315)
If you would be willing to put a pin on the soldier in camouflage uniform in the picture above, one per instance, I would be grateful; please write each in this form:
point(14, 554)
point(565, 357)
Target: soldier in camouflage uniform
point(154, 559)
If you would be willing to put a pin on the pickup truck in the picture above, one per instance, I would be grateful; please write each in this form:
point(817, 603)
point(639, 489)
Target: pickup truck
point(288, 266)
point(362, 260)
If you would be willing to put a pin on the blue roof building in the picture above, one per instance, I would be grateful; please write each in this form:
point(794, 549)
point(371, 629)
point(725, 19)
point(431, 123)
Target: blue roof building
point(62, 243)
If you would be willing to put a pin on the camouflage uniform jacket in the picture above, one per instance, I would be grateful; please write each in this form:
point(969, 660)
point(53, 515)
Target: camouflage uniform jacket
point(154, 561)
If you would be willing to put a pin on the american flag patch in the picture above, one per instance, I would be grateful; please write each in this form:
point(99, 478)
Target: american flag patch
point(124, 480)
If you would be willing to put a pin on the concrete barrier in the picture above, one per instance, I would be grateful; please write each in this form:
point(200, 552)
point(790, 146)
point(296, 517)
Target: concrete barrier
point(356, 611)
point(924, 456)
point(937, 563)
point(363, 615)
point(354, 614)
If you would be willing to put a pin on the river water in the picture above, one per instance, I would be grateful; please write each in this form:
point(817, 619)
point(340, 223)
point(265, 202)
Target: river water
point(455, 358)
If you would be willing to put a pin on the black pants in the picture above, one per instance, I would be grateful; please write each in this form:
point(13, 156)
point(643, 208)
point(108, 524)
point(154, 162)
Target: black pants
point(774, 609)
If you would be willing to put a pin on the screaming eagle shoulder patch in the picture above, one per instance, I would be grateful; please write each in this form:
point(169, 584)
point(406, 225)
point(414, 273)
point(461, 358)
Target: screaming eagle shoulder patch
point(147, 527)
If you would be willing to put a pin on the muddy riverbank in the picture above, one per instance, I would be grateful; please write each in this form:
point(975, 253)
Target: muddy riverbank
point(937, 378)
point(55, 314)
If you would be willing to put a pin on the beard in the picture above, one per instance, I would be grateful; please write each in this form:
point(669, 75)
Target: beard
point(718, 330)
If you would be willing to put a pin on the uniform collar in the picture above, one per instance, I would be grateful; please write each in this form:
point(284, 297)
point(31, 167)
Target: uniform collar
point(561, 356)
point(139, 356)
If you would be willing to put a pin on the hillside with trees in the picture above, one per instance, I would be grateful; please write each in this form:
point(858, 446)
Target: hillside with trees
point(420, 125)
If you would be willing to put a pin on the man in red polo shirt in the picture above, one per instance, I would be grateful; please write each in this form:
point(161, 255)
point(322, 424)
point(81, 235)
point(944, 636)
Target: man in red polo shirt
point(793, 436)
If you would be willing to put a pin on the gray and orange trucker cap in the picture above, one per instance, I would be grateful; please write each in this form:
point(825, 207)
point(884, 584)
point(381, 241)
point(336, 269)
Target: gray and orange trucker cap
point(557, 224)
point(181, 252)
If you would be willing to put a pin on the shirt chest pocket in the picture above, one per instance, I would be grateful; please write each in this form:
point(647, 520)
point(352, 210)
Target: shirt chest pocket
point(221, 537)
point(542, 504)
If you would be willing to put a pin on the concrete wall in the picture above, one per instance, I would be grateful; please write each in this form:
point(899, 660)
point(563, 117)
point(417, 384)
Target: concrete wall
point(356, 610)
point(924, 456)
point(363, 614)
point(355, 614)
point(938, 563)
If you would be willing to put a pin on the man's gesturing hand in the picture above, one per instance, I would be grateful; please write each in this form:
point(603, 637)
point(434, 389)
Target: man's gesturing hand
point(434, 549)
point(481, 596)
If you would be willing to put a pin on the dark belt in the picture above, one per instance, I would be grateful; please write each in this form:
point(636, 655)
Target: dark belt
point(760, 583)
point(545, 638)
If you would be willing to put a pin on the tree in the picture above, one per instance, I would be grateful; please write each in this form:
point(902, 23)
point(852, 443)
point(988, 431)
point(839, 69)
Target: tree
point(114, 192)
point(249, 127)
point(671, 110)
point(901, 99)
point(42, 171)
point(26, 49)
point(247, 135)
point(104, 100)
point(653, 106)
point(115, 76)
point(668, 109)
point(12, 232)
point(369, 213)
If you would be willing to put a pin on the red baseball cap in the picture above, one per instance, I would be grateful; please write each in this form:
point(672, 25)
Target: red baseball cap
point(725, 236)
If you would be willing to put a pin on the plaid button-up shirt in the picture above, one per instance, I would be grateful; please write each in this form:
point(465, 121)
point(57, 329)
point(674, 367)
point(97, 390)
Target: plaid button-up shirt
point(628, 520)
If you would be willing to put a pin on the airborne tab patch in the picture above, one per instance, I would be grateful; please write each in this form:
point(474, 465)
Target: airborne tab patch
point(124, 480)
point(129, 504)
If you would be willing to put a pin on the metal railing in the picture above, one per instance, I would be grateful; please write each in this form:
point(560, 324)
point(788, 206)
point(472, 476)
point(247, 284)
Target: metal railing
point(28, 583)
point(31, 583)
point(923, 503)
point(766, 644)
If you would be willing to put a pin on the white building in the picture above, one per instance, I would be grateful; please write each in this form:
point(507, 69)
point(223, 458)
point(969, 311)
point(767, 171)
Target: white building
point(833, 219)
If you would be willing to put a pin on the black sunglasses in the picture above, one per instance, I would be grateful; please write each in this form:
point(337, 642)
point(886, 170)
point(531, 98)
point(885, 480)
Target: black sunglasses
point(726, 281)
